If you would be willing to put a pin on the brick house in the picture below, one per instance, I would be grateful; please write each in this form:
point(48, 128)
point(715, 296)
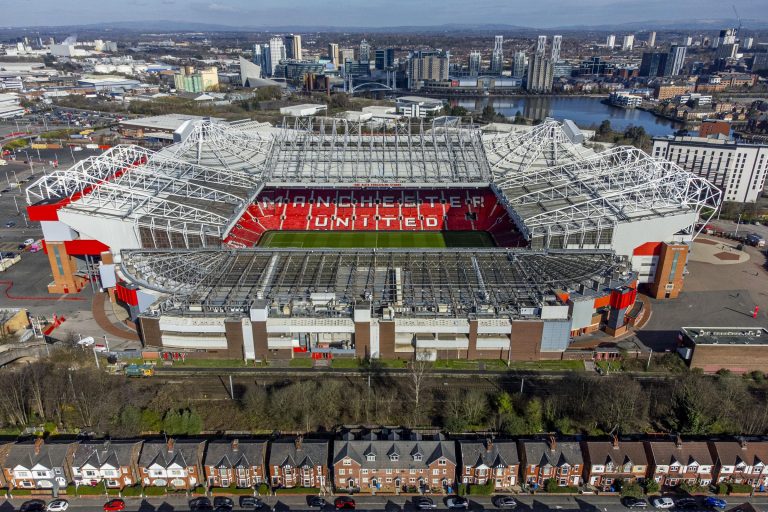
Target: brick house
point(38, 464)
point(111, 462)
point(298, 462)
point(236, 462)
point(495, 460)
point(560, 461)
point(608, 461)
point(172, 463)
point(741, 462)
point(676, 462)
point(393, 461)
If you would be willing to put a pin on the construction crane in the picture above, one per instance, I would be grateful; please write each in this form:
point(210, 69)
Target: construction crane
point(738, 18)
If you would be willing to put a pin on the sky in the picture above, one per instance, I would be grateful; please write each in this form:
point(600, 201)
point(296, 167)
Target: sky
point(372, 13)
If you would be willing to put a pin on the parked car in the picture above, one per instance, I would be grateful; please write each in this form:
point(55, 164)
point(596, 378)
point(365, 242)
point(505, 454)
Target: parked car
point(504, 501)
point(250, 502)
point(631, 502)
point(115, 505)
point(57, 506)
point(10, 224)
point(711, 501)
point(8, 255)
point(661, 502)
point(32, 506)
point(423, 502)
point(200, 504)
point(457, 502)
point(316, 501)
point(344, 503)
point(686, 503)
point(29, 241)
point(219, 501)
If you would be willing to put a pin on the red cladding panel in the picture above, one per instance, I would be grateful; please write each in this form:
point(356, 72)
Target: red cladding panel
point(81, 247)
point(621, 299)
point(126, 295)
point(648, 249)
point(602, 301)
point(40, 212)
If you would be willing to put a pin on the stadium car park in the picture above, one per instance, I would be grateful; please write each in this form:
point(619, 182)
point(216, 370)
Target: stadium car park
point(325, 238)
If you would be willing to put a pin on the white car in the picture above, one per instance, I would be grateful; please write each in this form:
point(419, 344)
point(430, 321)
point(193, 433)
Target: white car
point(662, 503)
point(29, 241)
point(57, 506)
point(86, 342)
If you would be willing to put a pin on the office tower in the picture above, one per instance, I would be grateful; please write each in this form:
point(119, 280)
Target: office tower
point(347, 54)
point(519, 65)
point(257, 58)
point(293, 47)
point(653, 64)
point(747, 43)
point(427, 65)
point(384, 58)
point(365, 51)
point(497, 57)
point(541, 45)
point(540, 74)
point(628, 43)
point(276, 53)
point(556, 40)
point(727, 51)
point(333, 53)
point(651, 39)
point(474, 63)
point(610, 41)
point(688, 41)
point(676, 59)
point(727, 36)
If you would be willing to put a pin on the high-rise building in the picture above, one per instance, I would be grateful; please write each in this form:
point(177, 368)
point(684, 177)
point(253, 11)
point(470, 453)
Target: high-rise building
point(257, 58)
point(727, 51)
point(747, 43)
point(427, 65)
point(628, 42)
point(727, 36)
point(293, 47)
point(276, 53)
point(676, 59)
point(653, 64)
point(190, 80)
point(541, 45)
point(610, 41)
point(333, 54)
point(688, 41)
point(365, 51)
point(556, 41)
point(519, 65)
point(651, 39)
point(760, 62)
point(474, 63)
point(497, 57)
point(385, 58)
point(347, 54)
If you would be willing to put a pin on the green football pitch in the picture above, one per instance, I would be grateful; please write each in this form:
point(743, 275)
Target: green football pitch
point(375, 239)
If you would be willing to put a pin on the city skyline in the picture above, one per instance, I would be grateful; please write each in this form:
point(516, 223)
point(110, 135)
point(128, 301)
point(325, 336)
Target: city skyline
point(241, 13)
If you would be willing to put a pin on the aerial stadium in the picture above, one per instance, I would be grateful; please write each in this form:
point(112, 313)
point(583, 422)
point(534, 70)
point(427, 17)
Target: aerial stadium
point(324, 238)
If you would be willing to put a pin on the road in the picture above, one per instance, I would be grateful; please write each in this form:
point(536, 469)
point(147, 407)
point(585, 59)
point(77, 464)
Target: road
point(539, 503)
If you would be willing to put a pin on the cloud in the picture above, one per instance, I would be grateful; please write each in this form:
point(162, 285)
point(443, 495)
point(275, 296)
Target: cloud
point(219, 7)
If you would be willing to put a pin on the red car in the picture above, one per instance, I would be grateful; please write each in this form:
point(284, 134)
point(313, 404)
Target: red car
point(114, 505)
point(344, 503)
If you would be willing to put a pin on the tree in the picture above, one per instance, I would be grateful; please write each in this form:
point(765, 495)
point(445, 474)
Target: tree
point(604, 129)
point(550, 485)
point(534, 416)
point(489, 113)
point(631, 489)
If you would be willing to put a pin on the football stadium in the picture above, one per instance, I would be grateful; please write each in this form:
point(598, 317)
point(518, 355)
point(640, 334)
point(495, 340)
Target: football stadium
point(323, 238)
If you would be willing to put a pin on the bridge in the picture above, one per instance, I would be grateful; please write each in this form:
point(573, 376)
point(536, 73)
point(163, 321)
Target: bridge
point(14, 351)
point(370, 87)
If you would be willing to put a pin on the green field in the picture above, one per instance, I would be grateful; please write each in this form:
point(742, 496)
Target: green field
point(376, 239)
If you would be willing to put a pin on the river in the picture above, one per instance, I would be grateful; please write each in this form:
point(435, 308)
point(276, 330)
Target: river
point(584, 111)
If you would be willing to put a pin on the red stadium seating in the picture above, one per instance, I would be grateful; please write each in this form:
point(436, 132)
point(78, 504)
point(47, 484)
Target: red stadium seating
point(370, 210)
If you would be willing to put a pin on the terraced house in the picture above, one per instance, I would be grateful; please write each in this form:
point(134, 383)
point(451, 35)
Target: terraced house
point(235, 462)
point(37, 464)
point(110, 462)
point(560, 461)
point(741, 462)
point(608, 461)
point(172, 463)
point(299, 462)
point(676, 462)
point(490, 460)
point(392, 461)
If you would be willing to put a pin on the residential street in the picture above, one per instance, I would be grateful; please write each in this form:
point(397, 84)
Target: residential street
point(539, 503)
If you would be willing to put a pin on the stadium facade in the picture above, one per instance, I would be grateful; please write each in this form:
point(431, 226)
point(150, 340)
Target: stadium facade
point(178, 237)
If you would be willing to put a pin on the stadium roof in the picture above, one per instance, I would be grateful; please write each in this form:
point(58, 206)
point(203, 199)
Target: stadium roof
point(423, 282)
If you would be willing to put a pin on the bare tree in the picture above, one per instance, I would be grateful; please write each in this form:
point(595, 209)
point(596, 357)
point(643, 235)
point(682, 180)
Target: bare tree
point(417, 371)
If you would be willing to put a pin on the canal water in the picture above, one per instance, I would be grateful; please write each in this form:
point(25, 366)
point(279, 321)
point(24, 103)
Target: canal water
point(586, 112)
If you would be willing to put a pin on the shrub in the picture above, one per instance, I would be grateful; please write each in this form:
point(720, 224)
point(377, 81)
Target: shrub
point(721, 488)
point(632, 489)
point(263, 488)
point(550, 485)
point(462, 490)
point(652, 487)
point(481, 490)
point(739, 488)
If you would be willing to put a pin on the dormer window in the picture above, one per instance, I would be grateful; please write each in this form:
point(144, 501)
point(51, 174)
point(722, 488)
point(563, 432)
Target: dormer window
point(347, 462)
point(394, 457)
point(371, 457)
point(417, 457)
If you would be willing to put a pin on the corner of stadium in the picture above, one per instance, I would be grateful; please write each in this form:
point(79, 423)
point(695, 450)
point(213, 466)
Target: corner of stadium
point(324, 238)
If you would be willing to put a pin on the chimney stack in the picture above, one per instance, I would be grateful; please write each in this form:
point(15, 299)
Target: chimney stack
point(235, 445)
point(39, 442)
point(678, 442)
point(169, 444)
point(615, 441)
point(488, 445)
point(743, 443)
point(298, 442)
point(552, 443)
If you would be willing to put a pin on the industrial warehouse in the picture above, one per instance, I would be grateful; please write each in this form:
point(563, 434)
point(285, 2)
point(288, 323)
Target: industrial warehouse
point(325, 238)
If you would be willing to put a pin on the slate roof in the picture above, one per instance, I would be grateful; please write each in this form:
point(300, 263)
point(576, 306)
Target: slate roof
point(404, 449)
point(492, 454)
point(51, 454)
point(185, 453)
point(236, 453)
point(665, 453)
point(732, 453)
point(560, 453)
point(310, 452)
point(99, 453)
point(618, 454)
